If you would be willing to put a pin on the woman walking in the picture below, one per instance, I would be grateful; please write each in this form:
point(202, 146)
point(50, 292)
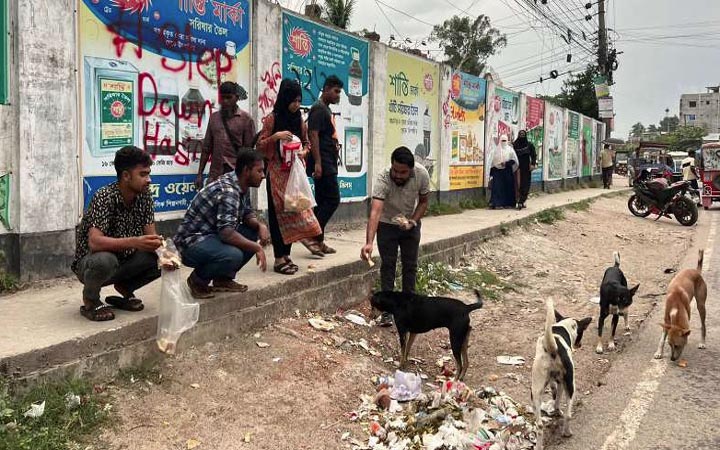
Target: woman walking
point(286, 227)
point(504, 161)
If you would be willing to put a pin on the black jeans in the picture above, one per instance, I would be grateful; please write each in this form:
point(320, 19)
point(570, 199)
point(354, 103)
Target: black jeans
point(280, 248)
point(327, 197)
point(607, 173)
point(389, 238)
point(103, 269)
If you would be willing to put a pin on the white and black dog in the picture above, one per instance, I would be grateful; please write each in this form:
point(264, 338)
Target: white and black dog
point(615, 299)
point(554, 367)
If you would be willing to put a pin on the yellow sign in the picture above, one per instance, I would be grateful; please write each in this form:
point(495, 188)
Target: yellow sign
point(465, 177)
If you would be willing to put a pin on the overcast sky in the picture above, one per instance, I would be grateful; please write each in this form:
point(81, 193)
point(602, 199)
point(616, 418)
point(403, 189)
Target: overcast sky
point(670, 47)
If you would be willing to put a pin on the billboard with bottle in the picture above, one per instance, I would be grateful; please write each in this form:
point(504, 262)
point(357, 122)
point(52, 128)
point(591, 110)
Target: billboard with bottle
point(599, 138)
point(150, 73)
point(464, 117)
point(311, 53)
point(535, 128)
point(503, 118)
point(572, 153)
point(412, 115)
point(587, 145)
point(554, 142)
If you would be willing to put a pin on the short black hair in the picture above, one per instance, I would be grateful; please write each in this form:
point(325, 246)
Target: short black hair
point(129, 157)
point(246, 158)
point(332, 82)
point(691, 152)
point(403, 155)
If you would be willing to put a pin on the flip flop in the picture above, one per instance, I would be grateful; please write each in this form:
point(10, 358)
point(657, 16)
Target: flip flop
point(93, 313)
point(132, 304)
point(285, 269)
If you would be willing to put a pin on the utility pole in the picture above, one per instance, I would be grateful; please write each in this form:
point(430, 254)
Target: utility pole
point(603, 55)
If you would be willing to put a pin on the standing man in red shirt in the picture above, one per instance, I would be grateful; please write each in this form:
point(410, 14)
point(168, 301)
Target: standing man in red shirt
point(229, 130)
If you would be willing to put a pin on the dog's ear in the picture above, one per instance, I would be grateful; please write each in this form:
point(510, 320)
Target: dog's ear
point(634, 290)
point(686, 333)
point(558, 317)
point(584, 323)
point(666, 327)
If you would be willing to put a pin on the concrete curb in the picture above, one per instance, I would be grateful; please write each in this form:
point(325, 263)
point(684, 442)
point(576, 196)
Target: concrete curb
point(105, 353)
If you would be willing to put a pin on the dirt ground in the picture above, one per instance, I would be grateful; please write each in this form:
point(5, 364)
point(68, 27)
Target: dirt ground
point(296, 392)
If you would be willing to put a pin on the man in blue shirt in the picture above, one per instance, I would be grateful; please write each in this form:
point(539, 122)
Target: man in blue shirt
point(220, 231)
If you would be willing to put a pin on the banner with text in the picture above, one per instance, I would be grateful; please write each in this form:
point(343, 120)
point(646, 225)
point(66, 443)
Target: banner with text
point(535, 127)
point(503, 118)
point(149, 77)
point(554, 142)
point(588, 131)
point(599, 138)
point(412, 115)
point(572, 153)
point(311, 53)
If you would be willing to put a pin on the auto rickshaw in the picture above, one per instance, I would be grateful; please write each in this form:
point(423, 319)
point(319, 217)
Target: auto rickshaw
point(710, 173)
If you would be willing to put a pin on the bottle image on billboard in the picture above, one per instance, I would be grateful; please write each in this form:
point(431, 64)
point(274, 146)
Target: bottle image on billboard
point(355, 79)
point(353, 149)
point(427, 125)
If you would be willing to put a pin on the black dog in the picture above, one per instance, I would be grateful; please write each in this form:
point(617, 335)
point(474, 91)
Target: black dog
point(415, 314)
point(615, 299)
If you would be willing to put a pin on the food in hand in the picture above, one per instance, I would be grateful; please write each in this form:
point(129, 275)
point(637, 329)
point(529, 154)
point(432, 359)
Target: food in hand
point(401, 221)
point(297, 203)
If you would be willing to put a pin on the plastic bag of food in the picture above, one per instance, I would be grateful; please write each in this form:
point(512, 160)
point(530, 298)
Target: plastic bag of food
point(298, 193)
point(178, 311)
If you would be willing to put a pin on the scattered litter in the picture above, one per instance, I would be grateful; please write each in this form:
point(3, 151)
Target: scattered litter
point(511, 360)
point(683, 363)
point(595, 300)
point(516, 377)
point(493, 378)
point(356, 318)
point(321, 324)
point(627, 333)
point(256, 335)
point(345, 436)
point(195, 386)
point(192, 443)
point(670, 270)
point(36, 410)
point(262, 344)
point(441, 361)
point(407, 386)
point(276, 360)
point(248, 437)
point(72, 401)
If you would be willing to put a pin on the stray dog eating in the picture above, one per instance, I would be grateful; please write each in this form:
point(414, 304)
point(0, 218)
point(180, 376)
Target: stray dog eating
point(685, 286)
point(414, 314)
point(554, 367)
point(615, 299)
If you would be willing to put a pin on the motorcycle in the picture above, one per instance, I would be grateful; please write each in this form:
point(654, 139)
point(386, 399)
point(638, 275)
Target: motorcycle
point(655, 196)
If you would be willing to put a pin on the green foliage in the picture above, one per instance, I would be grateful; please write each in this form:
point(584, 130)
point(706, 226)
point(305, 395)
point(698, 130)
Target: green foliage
point(468, 43)
point(669, 124)
point(684, 138)
point(578, 93)
point(339, 12)
point(437, 278)
point(550, 216)
point(442, 209)
point(637, 130)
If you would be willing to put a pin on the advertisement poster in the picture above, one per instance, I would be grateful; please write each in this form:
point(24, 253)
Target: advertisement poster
point(534, 125)
point(554, 142)
point(412, 116)
point(150, 73)
point(465, 116)
point(572, 153)
point(587, 146)
point(503, 118)
point(597, 148)
point(310, 54)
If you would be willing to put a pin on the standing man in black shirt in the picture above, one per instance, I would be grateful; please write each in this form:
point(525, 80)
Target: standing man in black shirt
point(323, 160)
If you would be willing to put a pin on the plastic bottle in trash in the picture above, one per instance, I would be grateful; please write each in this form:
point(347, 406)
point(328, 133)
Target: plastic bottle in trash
point(355, 79)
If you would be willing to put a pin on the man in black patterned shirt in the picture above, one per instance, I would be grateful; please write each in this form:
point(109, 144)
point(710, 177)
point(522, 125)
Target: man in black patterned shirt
point(116, 239)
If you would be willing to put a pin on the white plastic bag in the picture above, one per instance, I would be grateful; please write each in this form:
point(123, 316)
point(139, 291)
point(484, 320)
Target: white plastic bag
point(298, 193)
point(178, 311)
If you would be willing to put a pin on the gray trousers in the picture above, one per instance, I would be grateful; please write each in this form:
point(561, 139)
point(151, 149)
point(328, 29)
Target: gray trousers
point(390, 238)
point(103, 269)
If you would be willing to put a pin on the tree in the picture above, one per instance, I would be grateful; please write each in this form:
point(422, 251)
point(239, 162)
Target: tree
point(578, 93)
point(652, 128)
point(684, 138)
point(669, 124)
point(338, 12)
point(468, 43)
point(637, 130)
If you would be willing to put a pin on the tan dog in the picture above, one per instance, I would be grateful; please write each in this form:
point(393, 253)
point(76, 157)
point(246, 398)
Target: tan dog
point(687, 284)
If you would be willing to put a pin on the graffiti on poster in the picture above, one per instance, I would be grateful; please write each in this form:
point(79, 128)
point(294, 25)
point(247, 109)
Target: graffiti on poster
point(572, 153)
point(412, 115)
point(599, 138)
point(535, 127)
point(150, 73)
point(587, 146)
point(464, 115)
point(503, 118)
point(554, 142)
point(310, 54)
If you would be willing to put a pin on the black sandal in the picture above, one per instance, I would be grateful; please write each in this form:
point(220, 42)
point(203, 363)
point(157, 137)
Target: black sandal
point(293, 265)
point(132, 303)
point(93, 313)
point(285, 269)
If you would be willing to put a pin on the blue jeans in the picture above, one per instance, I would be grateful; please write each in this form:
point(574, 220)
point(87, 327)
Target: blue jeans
point(213, 259)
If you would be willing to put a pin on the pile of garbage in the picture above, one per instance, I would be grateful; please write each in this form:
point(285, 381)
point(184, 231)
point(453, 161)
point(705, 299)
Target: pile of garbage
point(450, 417)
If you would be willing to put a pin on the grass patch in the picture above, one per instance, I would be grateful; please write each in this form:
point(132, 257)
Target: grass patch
point(581, 206)
point(436, 278)
point(443, 209)
point(147, 371)
point(8, 282)
point(60, 426)
point(474, 203)
point(550, 216)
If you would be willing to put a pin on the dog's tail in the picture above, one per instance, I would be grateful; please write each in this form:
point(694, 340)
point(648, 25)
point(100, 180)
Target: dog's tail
point(616, 256)
point(478, 304)
point(701, 255)
point(549, 340)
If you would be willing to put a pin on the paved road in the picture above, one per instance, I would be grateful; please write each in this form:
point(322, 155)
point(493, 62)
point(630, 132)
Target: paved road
point(650, 404)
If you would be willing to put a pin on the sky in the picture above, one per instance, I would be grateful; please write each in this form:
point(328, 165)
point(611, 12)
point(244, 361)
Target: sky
point(670, 47)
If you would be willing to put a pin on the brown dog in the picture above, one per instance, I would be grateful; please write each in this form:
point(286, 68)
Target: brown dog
point(687, 284)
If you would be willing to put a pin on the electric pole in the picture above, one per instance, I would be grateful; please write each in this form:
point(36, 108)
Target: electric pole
point(603, 56)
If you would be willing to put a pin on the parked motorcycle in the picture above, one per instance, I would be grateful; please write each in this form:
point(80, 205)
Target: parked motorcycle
point(655, 196)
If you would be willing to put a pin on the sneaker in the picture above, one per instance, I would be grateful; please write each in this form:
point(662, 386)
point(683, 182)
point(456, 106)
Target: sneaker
point(228, 286)
point(385, 320)
point(199, 291)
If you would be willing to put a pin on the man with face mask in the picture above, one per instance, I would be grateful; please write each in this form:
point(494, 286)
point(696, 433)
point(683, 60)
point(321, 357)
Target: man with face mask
point(527, 157)
point(400, 200)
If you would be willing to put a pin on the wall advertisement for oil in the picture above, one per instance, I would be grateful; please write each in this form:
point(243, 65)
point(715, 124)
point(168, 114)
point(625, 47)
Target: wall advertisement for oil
point(412, 115)
point(310, 54)
point(503, 118)
point(535, 128)
point(150, 73)
point(464, 115)
point(586, 146)
point(572, 155)
point(554, 142)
